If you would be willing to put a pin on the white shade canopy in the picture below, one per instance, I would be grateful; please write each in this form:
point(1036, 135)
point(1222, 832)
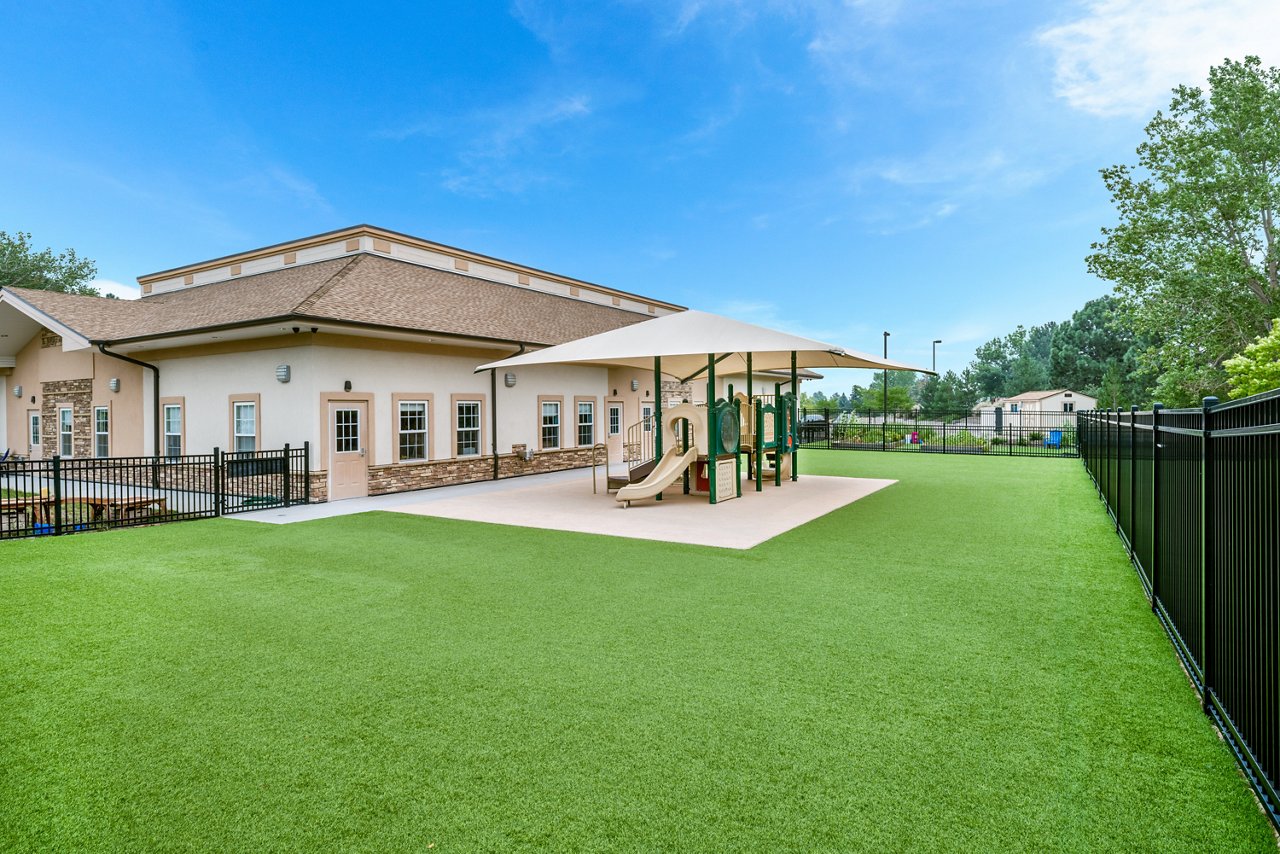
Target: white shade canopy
point(686, 338)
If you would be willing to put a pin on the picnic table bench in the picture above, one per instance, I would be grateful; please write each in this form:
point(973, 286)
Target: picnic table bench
point(124, 508)
point(18, 513)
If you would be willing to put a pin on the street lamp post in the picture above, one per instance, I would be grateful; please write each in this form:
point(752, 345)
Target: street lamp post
point(936, 342)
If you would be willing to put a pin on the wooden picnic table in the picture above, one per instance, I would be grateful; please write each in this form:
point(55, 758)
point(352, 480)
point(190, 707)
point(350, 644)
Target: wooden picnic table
point(14, 512)
point(123, 508)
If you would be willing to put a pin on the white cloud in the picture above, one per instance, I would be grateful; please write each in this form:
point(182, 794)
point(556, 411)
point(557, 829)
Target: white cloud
point(109, 287)
point(496, 143)
point(1122, 57)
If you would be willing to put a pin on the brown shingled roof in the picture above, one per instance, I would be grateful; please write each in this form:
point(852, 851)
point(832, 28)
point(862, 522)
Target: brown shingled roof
point(364, 289)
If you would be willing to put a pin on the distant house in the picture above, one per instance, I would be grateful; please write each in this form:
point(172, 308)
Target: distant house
point(1037, 409)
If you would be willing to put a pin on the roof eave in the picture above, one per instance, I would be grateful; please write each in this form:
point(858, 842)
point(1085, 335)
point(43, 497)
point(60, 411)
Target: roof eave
point(81, 342)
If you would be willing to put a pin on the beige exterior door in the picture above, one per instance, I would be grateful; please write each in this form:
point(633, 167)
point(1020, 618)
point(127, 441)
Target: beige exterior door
point(615, 428)
point(34, 450)
point(348, 449)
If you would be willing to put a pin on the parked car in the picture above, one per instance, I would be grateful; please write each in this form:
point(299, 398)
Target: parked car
point(813, 427)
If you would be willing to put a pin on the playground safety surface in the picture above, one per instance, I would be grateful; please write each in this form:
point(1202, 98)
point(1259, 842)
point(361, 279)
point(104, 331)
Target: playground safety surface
point(569, 505)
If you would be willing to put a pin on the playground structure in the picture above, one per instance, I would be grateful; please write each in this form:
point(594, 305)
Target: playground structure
point(711, 439)
point(708, 439)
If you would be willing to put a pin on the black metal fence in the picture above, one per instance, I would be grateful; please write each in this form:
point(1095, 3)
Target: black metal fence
point(979, 431)
point(63, 496)
point(1195, 495)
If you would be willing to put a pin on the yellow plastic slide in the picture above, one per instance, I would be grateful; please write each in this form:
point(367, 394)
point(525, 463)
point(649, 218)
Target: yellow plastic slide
point(665, 473)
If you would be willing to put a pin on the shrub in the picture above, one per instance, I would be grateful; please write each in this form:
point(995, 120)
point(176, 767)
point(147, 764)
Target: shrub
point(1035, 436)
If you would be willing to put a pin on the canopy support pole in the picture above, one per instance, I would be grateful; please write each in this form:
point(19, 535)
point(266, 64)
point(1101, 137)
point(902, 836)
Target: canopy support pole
point(700, 370)
point(751, 410)
point(657, 413)
point(711, 425)
point(795, 414)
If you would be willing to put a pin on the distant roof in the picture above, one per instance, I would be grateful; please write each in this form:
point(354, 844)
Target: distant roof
point(363, 289)
point(1037, 395)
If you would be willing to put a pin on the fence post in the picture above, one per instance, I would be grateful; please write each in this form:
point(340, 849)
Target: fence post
point(57, 494)
point(1133, 480)
point(1155, 500)
point(288, 465)
point(217, 482)
point(1106, 449)
point(306, 472)
point(1206, 546)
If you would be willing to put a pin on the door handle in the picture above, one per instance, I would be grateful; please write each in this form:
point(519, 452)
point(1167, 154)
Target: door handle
point(362, 452)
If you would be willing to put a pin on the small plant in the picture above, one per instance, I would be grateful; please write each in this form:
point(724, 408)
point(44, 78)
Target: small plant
point(997, 440)
point(1035, 436)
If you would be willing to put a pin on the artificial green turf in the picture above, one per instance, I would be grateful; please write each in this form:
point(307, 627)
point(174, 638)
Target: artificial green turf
point(962, 661)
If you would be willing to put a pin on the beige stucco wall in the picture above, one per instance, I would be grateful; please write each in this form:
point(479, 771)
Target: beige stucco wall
point(321, 365)
point(36, 365)
point(207, 382)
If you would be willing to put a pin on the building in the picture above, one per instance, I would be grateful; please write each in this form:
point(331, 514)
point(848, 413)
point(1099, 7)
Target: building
point(1037, 409)
point(362, 342)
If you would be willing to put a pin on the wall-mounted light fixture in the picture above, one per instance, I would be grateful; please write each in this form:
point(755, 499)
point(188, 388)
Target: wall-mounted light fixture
point(509, 380)
point(635, 385)
point(17, 391)
point(114, 383)
point(282, 373)
point(346, 386)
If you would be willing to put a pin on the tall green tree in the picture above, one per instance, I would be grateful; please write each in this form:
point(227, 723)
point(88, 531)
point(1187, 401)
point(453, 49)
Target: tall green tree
point(1015, 363)
point(872, 397)
point(22, 266)
point(1257, 369)
point(947, 394)
point(1195, 255)
point(1097, 352)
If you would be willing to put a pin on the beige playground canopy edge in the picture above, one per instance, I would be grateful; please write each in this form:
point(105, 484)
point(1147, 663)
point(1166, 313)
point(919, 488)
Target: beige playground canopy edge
point(685, 339)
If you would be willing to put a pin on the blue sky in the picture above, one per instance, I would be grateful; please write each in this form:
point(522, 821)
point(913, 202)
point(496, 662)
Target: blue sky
point(830, 168)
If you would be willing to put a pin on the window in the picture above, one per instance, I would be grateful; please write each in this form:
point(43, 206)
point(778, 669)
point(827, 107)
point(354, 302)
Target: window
point(586, 423)
point(615, 419)
point(346, 430)
point(244, 418)
point(1013, 407)
point(64, 432)
point(35, 429)
point(467, 431)
point(646, 415)
point(413, 430)
point(101, 431)
point(550, 424)
point(1068, 407)
point(173, 429)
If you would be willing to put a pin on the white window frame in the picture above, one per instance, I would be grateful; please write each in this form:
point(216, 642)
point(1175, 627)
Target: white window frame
point(544, 425)
point(590, 423)
point(357, 440)
point(66, 431)
point(1069, 406)
point(424, 432)
point(33, 425)
point(459, 431)
point(646, 416)
point(101, 438)
point(236, 433)
point(615, 424)
point(171, 434)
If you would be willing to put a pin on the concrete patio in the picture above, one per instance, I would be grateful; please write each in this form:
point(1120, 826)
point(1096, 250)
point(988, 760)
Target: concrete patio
point(563, 501)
